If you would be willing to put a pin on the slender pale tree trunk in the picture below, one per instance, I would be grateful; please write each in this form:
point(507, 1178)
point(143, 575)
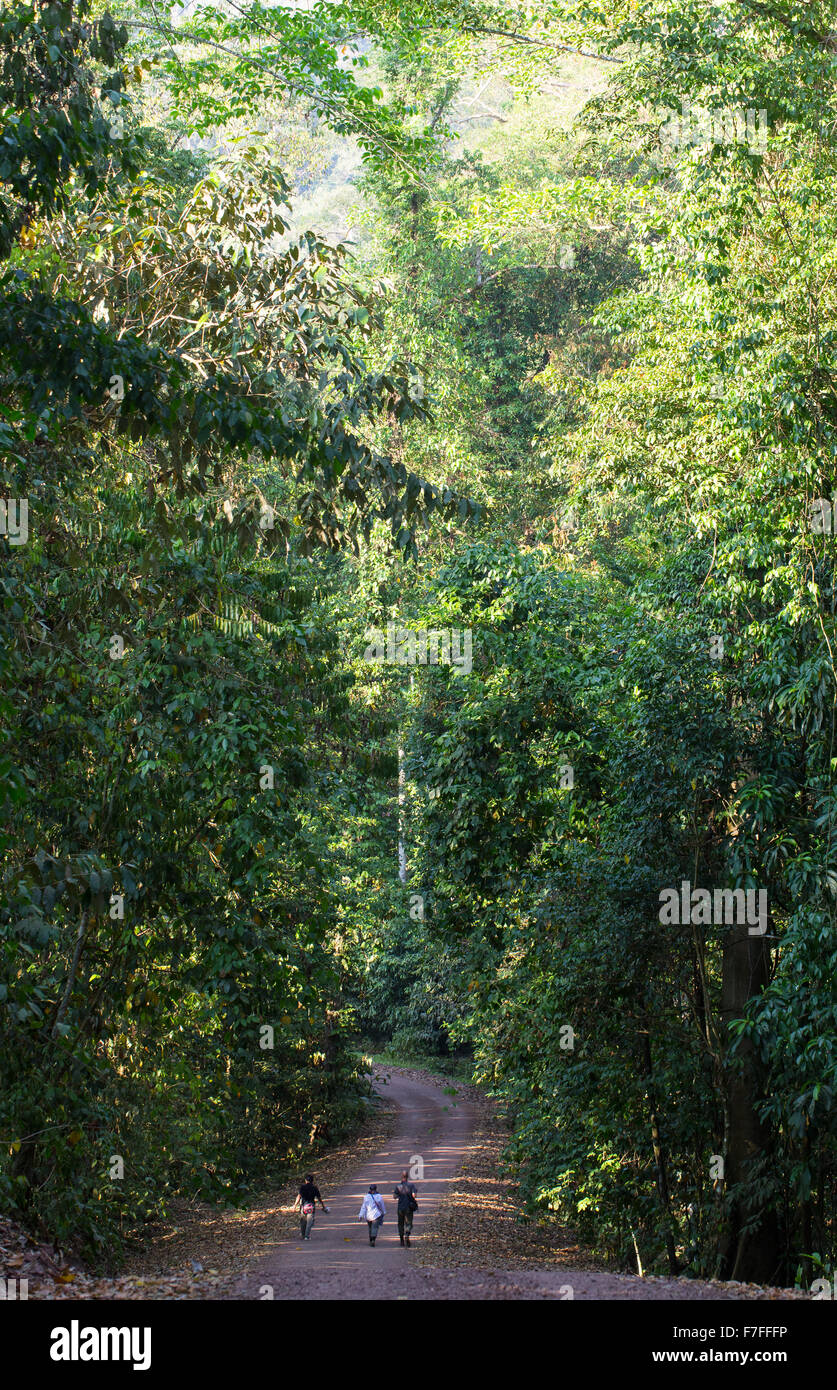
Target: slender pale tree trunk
point(402, 794)
point(402, 804)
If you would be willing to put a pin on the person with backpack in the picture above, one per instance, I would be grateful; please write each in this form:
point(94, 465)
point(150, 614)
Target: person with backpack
point(309, 1196)
point(405, 1195)
point(372, 1211)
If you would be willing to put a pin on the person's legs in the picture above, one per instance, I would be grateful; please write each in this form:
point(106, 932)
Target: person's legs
point(401, 1216)
point(408, 1226)
point(303, 1224)
point(309, 1223)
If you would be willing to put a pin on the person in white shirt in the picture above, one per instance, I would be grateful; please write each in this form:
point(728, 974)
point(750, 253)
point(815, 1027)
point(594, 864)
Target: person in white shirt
point(372, 1211)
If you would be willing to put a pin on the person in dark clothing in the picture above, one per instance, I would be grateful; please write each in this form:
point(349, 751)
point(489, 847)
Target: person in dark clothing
point(309, 1195)
point(405, 1195)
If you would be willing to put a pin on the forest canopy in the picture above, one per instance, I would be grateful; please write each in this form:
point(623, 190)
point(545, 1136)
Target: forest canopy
point(418, 434)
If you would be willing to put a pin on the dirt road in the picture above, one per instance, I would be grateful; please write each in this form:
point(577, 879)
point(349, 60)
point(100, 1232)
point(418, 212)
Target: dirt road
point(338, 1261)
point(433, 1133)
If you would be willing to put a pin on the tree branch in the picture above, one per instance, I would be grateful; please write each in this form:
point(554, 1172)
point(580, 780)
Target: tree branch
point(826, 41)
point(544, 43)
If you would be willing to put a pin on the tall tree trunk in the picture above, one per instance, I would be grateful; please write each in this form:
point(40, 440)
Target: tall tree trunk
point(751, 1255)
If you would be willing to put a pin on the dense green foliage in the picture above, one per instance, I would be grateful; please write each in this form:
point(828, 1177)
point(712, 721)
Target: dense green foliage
point(176, 691)
point(581, 379)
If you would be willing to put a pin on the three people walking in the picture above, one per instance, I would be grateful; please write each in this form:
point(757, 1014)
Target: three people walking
point(372, 1209)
